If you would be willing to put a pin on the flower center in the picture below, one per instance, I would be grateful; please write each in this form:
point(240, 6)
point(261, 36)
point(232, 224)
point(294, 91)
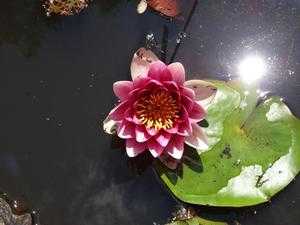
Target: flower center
point(157, 110)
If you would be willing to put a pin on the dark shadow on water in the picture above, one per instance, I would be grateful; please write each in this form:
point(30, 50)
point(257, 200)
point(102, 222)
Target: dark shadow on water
point(106, 6)
point(229, 214)
point(173, 176)
point(138, 165)
point(117, 143)
point(190, 158)
point(24, 24)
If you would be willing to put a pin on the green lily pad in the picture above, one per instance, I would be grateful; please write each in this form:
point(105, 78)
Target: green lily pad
point(254, 152)
point(196, 221)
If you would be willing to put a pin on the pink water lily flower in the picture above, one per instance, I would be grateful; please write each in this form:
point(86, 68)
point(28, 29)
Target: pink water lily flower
point(158, 112)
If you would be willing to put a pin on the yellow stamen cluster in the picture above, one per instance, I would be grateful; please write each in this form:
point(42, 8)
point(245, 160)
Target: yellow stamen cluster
point(157, 110)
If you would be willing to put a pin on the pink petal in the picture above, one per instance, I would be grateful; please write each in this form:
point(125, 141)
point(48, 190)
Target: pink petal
point(197, 113)
point(126, 130)
point(153, 84)
point(166, 75)
point(155, 148)
point(163, 138)
point(128, 114)
point(140, 82)
point(117, 113)
point(141, 62)
point(188, 92)
point(183, 131)
point(136, 120)
point(134, 94)
point(134, 148)
point(156, 70)
point(184, 115)
point(152, 131)
point(198, 138)
point(187, 102)
point(138, 93)
point(176, 147)
point(185, 128)
point(178, 72)
point(141, 134)
point(122, 89)
point(173, 130)
point(171, 86)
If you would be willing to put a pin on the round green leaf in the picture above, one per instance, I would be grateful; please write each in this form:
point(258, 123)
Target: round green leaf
point(254, 152)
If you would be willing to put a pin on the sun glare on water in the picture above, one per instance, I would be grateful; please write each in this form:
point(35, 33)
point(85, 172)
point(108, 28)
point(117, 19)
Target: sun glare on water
point(251, 69)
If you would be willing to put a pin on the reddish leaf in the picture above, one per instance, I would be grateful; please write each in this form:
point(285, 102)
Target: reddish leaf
point(167, 7)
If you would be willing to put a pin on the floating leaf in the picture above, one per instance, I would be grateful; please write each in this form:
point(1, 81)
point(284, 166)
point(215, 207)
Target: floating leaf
point(254, 151)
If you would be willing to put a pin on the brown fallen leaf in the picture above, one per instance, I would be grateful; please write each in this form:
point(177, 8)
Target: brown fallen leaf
point(169, 8)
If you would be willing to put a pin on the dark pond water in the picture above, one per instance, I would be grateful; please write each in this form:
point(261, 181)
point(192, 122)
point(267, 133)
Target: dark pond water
point(56, 88)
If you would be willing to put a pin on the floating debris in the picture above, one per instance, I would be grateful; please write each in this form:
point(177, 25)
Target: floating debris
point(142, 6)
point(188, 216)
point(181, 35)
point(183, 213)
point(65, 7)
point(8, 217)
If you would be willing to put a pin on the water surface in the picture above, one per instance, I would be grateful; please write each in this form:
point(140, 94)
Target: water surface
point(56, 88)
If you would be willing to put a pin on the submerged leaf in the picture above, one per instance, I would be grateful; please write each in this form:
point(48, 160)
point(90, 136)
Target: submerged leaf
point(253, 153)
